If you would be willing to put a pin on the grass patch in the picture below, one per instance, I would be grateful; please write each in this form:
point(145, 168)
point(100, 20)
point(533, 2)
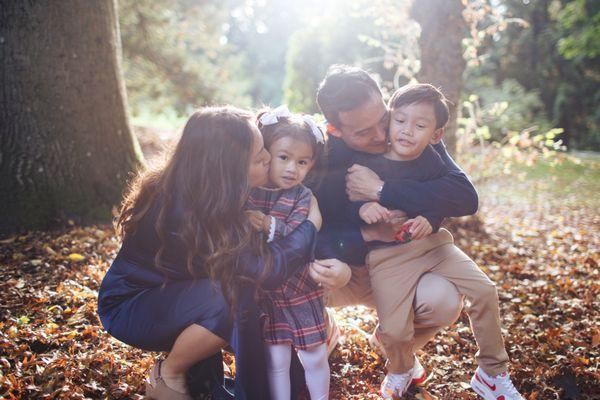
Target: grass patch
point(574, 182)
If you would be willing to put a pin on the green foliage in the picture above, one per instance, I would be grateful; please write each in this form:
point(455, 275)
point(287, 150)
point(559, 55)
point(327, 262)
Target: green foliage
point(580, 20)
point(173, 56)
point(530, 53)
point(488, 148)
point(302, 78)
point(529, 62)
point(508, 107)
point(360, 32)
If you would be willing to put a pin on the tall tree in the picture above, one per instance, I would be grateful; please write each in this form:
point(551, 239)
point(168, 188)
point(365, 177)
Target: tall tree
point(442, 62)
point(66, 146)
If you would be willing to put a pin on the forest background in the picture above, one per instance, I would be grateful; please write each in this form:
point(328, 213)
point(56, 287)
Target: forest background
point(528, 63)
point(94, 90)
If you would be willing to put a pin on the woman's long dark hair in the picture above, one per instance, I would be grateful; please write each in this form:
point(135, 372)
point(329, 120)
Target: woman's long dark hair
point(208, 171)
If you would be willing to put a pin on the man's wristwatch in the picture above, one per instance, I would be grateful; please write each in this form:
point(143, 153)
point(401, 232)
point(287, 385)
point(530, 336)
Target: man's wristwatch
point(379, 192)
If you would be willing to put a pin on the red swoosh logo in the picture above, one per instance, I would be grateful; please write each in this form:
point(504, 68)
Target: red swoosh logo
point(480, 379)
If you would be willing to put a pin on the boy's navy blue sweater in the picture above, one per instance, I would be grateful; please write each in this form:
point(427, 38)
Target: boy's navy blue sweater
point(419, 187)
point(428, 166)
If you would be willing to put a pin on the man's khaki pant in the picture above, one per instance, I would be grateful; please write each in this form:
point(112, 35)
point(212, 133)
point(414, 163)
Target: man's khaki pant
point(402, 280)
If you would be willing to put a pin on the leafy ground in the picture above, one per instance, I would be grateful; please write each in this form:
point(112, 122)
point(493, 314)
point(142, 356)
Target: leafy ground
point(538, 238)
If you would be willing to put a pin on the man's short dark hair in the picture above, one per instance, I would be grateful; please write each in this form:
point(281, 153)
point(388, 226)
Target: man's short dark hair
point(422, 93)
point(344, 88)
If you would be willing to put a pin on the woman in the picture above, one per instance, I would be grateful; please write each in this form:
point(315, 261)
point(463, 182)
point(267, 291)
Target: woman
point(186, 276)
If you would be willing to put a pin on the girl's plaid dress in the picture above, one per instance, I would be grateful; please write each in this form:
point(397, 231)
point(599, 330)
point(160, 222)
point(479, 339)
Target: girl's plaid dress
point(293, 313)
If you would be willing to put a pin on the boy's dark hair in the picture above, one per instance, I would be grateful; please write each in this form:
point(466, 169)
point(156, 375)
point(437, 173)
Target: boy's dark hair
point(343, 89)
point(422, 93)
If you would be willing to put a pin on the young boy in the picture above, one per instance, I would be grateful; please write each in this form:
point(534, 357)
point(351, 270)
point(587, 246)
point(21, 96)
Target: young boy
point(419, 114)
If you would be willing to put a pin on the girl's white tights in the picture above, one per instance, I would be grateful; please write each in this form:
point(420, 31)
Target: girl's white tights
point(316, 370)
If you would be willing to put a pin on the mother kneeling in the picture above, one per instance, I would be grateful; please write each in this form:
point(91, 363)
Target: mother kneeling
point(189, 267)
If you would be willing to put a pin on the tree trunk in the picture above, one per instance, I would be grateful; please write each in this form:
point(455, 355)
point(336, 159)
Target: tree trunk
point(442, 62)
point(66, 147)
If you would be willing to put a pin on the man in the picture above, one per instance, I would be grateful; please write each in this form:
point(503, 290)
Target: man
point(358, 119)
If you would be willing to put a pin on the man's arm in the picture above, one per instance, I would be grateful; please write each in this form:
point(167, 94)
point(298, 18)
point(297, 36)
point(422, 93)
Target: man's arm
point(451, 195)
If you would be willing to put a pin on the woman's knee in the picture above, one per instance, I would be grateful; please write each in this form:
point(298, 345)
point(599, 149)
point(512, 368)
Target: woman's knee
point(437, 301)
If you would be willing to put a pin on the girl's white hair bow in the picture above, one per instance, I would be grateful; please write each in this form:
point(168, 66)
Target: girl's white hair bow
point(314, 128)
point(272, 117)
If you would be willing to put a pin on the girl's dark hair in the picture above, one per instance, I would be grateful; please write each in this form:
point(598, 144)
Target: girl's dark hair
point(344, 88)
point(207, 177)
point(297, 128)
point(422, 93)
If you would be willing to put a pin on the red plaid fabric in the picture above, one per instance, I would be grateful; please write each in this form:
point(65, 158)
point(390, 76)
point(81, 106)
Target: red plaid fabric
point(293, 313)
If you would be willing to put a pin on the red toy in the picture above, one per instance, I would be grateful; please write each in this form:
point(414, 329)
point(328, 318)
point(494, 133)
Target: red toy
point(403, 235)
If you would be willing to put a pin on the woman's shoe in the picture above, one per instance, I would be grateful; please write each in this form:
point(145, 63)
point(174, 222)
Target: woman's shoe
point(160, 390)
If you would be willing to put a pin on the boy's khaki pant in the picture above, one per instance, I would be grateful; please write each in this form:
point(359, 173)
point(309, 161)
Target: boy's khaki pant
point(394, 272)
point(437, 303)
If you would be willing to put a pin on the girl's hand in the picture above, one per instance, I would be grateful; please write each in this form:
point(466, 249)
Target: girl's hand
point(314, 214)
point(259, 221)
point(419, 228)
point(373, 212)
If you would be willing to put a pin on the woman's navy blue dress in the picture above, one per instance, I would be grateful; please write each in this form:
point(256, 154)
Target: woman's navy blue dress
point(138, 305)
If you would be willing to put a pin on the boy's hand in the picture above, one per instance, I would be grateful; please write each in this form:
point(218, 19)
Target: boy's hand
point(419, 227)
point(373, 212)
point(259, 221)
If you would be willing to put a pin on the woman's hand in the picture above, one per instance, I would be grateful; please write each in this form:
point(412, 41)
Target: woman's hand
point(259, 221)
point(419, 228)
point(331, 274)
point(314, 214)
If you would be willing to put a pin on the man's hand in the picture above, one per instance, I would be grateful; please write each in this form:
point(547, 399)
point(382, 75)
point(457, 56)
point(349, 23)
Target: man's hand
point(373, 212)
point(362, 184)
point(331, 274)
point(419, 227)
point(259, 221)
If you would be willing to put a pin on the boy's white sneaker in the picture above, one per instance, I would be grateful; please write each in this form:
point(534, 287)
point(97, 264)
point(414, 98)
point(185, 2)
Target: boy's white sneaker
point(419, 374)
point(395, 385)
point(494, 388)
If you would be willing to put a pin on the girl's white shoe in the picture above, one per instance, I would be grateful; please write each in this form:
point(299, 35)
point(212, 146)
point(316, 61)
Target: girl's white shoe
point(494, 388)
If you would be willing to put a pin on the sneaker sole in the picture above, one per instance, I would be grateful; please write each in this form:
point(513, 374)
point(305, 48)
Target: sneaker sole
point(483, 391)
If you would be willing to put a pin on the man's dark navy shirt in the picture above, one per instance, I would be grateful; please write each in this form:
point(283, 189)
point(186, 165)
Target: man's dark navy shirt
point(450, 194)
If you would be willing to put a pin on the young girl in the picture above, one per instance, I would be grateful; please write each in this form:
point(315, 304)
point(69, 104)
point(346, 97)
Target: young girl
point(293, 313)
